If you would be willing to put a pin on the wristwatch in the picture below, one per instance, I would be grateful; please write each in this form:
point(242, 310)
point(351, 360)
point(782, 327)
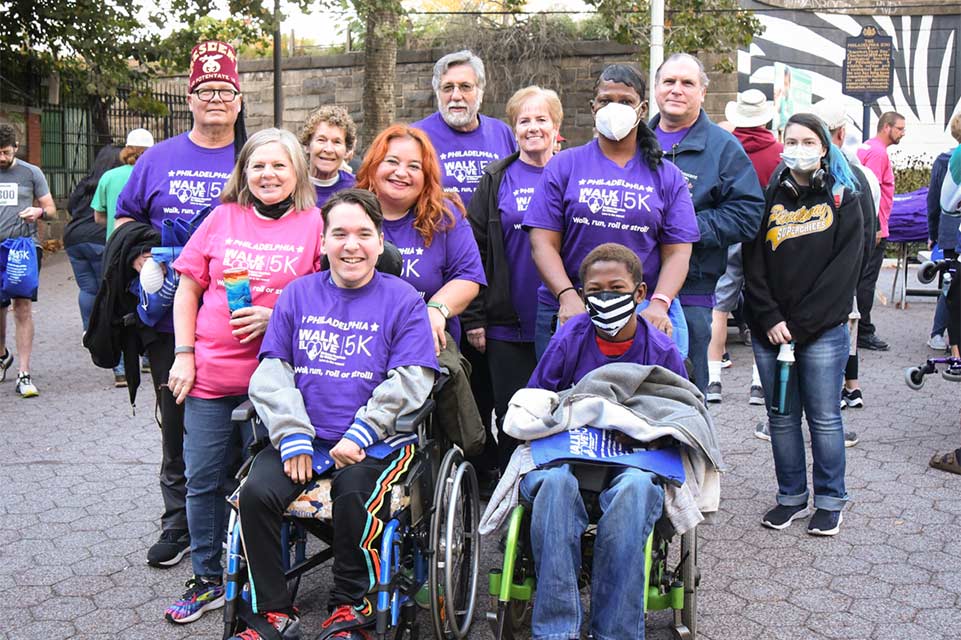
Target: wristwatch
point(440, 306)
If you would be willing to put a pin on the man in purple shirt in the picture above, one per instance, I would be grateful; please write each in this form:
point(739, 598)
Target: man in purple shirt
point(177, 178)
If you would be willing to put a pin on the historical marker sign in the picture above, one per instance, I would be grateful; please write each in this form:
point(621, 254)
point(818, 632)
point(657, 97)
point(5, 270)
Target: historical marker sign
point(868, 72)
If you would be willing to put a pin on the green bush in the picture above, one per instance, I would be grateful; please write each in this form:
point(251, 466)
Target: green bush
point(912, 173)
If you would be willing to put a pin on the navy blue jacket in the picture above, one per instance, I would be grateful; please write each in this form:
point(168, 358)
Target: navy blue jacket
point(727, 198)
point(942, 227)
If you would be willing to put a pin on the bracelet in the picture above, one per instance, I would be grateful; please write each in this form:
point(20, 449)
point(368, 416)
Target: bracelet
point(563, 291)
point(183, 349)
point(663, 298)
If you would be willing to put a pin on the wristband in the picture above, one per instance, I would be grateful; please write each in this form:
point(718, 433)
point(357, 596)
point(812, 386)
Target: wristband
point(563, 291)
point(183, 349)
point(663, 298)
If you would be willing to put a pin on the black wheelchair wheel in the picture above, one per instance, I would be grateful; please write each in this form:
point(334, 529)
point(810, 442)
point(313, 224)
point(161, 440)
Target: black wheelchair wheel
point(455, 548)
point(685, 620)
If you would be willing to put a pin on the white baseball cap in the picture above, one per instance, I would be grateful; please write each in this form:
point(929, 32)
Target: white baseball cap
point(139, 138)
point(832, 112)
point(751, 109)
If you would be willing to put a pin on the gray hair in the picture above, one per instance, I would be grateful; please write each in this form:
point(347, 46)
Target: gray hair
point(454, 59)
point(236, 190)
point(674, 57)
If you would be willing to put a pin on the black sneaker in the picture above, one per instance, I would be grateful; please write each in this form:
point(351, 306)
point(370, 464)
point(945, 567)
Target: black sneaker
point(781, 516)
point(713, 392)
point(762, 431)
point(851, 438)
point(872, 343)
point(170, 549)
point(825, 523)
point(6, 361)
point(726, 361)
point(757, 395)
point(853, 399)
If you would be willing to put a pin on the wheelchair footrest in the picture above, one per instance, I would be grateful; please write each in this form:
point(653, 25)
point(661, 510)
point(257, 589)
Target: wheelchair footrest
point(673, 598)
point(522, 591)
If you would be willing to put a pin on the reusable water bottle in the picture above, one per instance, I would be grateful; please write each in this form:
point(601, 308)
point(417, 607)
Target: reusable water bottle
point(785, 367)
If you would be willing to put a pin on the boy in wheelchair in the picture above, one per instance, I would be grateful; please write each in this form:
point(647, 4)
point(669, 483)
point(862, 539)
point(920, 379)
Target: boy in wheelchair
point(633, 499)
point(346, 352)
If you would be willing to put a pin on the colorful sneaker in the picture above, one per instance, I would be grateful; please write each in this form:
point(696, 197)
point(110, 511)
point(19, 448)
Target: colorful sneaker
point(170, 549)
point(25, 386)
point(346, 621)
point(781, 516)
point(825, 523)
point(287, 626)
point(201, 596)
point(757, 395)
point(853, 399)
point(713, 392)
point(6, 361)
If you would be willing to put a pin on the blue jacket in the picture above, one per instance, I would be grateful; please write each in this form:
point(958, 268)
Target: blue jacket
point(727, 198)
point(942, 227)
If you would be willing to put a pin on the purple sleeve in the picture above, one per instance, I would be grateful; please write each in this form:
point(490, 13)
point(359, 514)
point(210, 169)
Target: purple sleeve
point(130, 203)
point(462, 261)
point(546, 209)
point(278, 340)
point(671, 359)
point(413, 340)
point(680, 221)
point(549, 373)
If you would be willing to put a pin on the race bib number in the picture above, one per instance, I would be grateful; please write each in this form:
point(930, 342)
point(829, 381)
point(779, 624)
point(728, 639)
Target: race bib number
point(8, 194)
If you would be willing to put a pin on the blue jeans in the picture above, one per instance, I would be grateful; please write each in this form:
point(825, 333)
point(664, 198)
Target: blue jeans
point(630, 506)
point(941, 316)
point(86, 259)
point(814, 389)
point(213, 449)
point(698, 337)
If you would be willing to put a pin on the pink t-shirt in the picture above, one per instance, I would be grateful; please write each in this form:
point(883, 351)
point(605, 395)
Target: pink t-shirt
point(873, 154)
point(274, 252)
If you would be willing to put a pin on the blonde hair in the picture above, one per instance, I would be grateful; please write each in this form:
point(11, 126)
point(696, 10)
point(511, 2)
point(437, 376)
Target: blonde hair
point(956, 127)
point(237, 190)
point(521, 96)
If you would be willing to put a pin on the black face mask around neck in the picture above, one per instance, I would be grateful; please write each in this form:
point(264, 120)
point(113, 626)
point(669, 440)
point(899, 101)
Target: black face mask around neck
point(275, 210)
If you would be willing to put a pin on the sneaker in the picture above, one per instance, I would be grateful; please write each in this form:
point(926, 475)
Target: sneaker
point(346, 621)
point(781, 516)
point(119, 381)
point(762, 431)
point(6, 361)
point(744, 335)
point(757, 395)
point(286, 626)
point(851, 438)
point(713, 392)
point(872, 343)
point(25, 386)
point(825, 523)
point(170, 549)
point(853, 399)
point(201, 596)
point(936, 342)
point(726, 361)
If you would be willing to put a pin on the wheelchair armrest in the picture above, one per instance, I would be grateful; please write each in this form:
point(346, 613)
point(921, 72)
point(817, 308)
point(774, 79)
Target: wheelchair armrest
point(409, 422)
point(243, 412)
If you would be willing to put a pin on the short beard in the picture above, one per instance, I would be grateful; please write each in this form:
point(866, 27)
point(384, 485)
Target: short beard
point(458, 121)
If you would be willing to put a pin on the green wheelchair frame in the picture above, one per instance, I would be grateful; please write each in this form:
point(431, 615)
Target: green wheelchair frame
point(666, 587)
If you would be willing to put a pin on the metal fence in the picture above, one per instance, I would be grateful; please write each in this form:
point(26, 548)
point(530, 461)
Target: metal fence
point(76, 129)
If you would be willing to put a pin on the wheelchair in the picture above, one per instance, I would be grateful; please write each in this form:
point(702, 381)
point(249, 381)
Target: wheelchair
point(429, 549)
point(512, 586)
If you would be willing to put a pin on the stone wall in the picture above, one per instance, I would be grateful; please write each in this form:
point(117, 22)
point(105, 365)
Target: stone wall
point(311, 81)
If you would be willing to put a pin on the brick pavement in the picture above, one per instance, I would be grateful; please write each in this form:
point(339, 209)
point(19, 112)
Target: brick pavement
point(79, 506)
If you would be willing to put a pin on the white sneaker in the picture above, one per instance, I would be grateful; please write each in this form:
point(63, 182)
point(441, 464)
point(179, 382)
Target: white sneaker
point(25, 386)
point(938, 343)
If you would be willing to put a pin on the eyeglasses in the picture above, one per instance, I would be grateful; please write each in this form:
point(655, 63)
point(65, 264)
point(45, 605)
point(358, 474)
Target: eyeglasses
point(463, 87)
point(225, 95)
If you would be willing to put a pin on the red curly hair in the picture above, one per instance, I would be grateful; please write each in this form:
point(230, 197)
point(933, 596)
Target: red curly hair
point(431, 211)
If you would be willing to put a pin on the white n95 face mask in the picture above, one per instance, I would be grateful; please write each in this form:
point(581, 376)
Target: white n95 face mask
point(615, 121)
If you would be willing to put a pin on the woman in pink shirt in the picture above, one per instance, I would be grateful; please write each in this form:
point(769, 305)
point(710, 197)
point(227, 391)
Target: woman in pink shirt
point(268, 224)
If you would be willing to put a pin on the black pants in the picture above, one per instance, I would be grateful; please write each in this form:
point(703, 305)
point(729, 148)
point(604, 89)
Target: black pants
point(511, 365)
point(361, 503)
point(173, 482)
point(954, 307)
point(482, 388)
point(866, 286)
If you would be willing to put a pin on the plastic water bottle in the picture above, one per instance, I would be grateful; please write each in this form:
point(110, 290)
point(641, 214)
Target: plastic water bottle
point(785, 362)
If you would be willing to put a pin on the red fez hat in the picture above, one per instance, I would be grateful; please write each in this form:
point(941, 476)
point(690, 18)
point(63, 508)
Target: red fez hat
point(213, 62)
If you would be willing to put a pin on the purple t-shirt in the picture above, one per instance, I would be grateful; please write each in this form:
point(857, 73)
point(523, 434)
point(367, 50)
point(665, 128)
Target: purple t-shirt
point(573, 353)
point(345, 180)
point(452, 255)
point(175, 178)
point(513, 198)
point(463, 156)
point(670, 138)
point(342, 342)
point(592, 200)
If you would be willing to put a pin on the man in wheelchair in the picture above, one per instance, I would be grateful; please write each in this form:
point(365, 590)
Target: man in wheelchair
point(631, 499)
point(346, 352)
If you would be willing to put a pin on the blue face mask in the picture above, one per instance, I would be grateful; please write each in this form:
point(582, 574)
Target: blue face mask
point(610, 311)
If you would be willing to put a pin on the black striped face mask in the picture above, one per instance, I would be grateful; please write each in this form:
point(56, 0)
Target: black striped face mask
point(610, 310)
